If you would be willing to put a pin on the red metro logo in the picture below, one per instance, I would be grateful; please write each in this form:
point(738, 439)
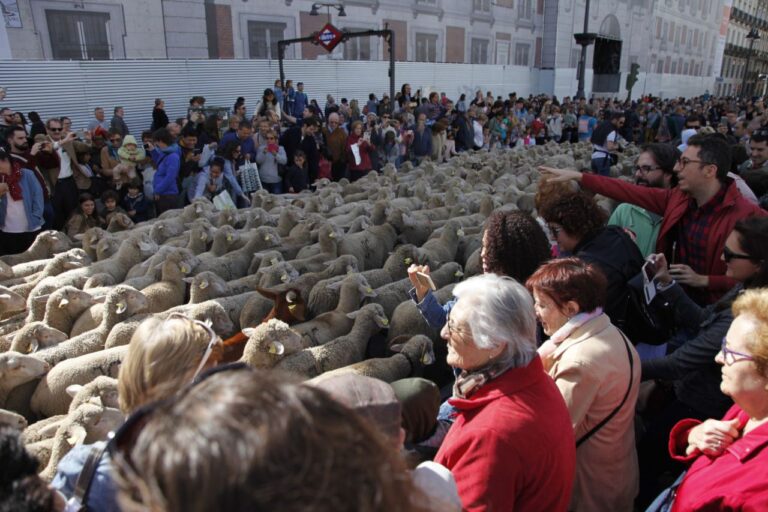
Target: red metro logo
point(328, 37)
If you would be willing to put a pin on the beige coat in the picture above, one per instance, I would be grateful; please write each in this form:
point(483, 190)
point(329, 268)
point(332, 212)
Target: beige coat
point(591, 369)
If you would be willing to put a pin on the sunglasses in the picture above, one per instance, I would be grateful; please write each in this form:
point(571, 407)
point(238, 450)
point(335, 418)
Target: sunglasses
point(55, 129)
point(729, 255)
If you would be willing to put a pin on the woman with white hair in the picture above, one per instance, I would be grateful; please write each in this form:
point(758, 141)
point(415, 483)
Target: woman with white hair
point(512, 445)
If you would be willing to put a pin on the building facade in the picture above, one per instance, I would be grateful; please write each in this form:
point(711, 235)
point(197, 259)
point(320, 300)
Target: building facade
point(674, 42)
point(746, 18)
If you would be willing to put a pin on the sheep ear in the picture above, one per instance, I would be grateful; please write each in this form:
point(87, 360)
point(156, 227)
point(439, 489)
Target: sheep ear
point(353, 314)
point(42, 298)
point(63, 303)
point(397, 347)
point(368, 291)
point(189, 280)
point(291, 296)
point(276, 348)
point(79, 237)
point(267, 293)
point(120, 307)
point(98, 300)
point(427, 357)
point(75, 435)
point(73, 389)
point(249, 331)
point(33, 345)
point(5, 296)
point(334, 286)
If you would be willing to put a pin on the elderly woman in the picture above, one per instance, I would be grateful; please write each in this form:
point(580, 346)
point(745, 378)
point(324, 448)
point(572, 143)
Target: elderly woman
point(511, 446)
point(163, 356)
point(597, 371)
point(690, 367)
point(727, 457)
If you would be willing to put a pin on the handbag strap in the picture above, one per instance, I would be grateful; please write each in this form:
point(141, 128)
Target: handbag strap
point(623, 400)
point(85, 478)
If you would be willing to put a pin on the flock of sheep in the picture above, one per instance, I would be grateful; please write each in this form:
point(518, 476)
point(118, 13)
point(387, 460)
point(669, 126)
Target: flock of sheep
point(305, 283)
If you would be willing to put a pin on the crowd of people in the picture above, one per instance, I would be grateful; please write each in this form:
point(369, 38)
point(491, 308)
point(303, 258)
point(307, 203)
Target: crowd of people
point(598, 363)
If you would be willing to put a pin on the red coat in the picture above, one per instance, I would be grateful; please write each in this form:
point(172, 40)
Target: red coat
point(672, 205)
point(736, 480)
point(365, 149)
point(512, 446)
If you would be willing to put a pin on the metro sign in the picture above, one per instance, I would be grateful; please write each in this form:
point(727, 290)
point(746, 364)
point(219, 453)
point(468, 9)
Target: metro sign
point(328, 37)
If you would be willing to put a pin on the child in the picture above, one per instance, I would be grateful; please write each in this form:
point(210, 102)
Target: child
point(389, 150)
point(296, 176)
point(130, 155)
point(135, 203)
point(110, 198)
point(449, 150)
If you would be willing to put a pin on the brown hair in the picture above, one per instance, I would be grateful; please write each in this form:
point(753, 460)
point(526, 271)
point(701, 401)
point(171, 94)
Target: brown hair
point(576, 212)
point(570, 279)
point(515, 245)
point(755, 304)
point(258, 440)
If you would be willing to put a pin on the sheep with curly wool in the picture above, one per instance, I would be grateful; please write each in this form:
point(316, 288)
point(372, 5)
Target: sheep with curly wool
point(6, 271)
point(51, 397)
point(408, 361)
point(340, 352)
point(36, 336)
point(328, 326)
point(46, 245)
point(65, 306)
point(269, 342)
point(17, 369)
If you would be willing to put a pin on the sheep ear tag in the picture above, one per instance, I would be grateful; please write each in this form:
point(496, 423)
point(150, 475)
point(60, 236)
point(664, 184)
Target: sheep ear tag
point(203, 284)
point(63, 303)
point(427, 358)
point(460, 232)
point(408, 261)
point(120, 307)
point(76, 435)
point(184, 269)
point(33, 346)
point(276, 348)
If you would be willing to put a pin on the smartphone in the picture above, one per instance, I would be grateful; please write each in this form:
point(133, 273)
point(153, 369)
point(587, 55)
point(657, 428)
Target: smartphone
point(425, 280)
point(649, 270)
point(274, 148)
point(197, 151)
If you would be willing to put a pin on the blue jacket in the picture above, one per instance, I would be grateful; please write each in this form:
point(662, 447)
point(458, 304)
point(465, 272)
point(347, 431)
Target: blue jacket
point(435, 314)
point(102, 495)
point(422, 142)
point(168, 162)
point(32, 197)
point(300, 102)
point(247, 146)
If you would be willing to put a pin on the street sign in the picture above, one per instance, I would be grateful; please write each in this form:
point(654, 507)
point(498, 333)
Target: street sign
point(328, 37)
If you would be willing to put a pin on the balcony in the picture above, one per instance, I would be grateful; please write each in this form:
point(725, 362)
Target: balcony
point(428, 7)
point(481, 11)
point(373, 4)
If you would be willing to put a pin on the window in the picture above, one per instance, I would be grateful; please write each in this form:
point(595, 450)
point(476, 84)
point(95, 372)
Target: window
point(658, 27)
point(521, 54)
point(426, 47)
point(575, 57)
point(263, 37)
point(479, 51)
point(78, 35)
point(685, 68)
point(525, 9)
point(481, 5)
point(674, 68)
point(427, 2)
point(357, 48)
point(671, 31)
point(660, 66)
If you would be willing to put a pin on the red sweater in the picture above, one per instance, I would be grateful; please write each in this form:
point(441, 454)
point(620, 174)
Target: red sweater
point(672, 205)
point(735, 480)
point(512, 446)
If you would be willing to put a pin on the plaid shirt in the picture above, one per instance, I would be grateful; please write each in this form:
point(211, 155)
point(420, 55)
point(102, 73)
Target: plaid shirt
point(693, 241)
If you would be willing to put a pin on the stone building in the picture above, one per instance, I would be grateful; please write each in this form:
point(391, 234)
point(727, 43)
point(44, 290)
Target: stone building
point(745, 16)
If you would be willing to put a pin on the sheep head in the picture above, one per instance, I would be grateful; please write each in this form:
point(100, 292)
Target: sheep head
point(289, 305)
point(344, 264)
point(373, 312)
point(99, 280)
point(55, 241)
point(270, 342)
point(74, 258)
point(206, 285)
point(11, 302)
point(125, 301)
point(417, 349)
point(6, 271)
point(106, 247)
point(101, 391)
point(16, 369)
point(35, 336)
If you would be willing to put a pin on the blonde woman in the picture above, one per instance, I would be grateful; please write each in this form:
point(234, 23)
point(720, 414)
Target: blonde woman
point(162, 357)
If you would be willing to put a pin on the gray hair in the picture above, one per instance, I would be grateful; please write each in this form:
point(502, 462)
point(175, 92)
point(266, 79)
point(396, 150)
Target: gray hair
point(502, 314)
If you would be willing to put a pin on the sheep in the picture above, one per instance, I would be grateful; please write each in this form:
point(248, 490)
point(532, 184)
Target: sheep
point(99, 281)
point(198, 239)
point(407, 319)
point(361, 223)
point(45, 246)
point(273, 275)
point(371, 246)
point(65, 306)
point(90, 240)
point(88, 424)
point(35, 336)
point(343, 351)
point(264, 259)
point(107, 247)
point(22, 270)
point(208, 285)
point(169, 292)
point(121, 303)
point(331, 325)
point(235, 264)
point(392, 294)
point(408, 361)
point(444, 249)
point(225, 239)
point(323, 298)
point(6, 271)
point(327, 249)
point(51, 397)
point(11, 303)
point(289, 217)
point(13, 420)
point(269, 342)
point(119, 222)
point(71, 259)
point(17, 369)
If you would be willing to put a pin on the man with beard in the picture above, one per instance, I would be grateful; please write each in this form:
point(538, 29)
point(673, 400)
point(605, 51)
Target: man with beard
point(21, 152)
point(653, 169)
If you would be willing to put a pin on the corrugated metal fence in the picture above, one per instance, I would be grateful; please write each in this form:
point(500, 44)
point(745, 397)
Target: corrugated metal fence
point(75, 88)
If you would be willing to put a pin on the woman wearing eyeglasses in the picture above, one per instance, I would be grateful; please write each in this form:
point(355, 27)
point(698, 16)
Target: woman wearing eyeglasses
point(728, 458)
point(691, 367)
point(162, 358)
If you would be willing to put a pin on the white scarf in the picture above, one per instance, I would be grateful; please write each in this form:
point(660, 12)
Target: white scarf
point(562, 334)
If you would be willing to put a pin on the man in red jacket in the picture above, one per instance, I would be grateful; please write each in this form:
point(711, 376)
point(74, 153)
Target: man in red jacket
point(699, 213)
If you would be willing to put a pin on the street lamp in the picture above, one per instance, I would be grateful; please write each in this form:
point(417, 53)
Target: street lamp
point(584, 39)
point(339, 7)
point(752, 36)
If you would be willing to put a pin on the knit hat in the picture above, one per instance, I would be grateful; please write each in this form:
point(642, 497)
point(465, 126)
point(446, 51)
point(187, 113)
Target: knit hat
point(372, 398)
point(420, 400)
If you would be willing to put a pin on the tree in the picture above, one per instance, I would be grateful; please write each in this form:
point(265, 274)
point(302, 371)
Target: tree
point(634, 70)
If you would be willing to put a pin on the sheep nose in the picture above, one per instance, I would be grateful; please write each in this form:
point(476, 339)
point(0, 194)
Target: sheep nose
point(46, 367)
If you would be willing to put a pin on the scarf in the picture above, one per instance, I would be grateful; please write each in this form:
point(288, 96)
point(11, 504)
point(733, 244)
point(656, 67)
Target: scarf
point(566, 330)
point(468, 383)
point(13, 180)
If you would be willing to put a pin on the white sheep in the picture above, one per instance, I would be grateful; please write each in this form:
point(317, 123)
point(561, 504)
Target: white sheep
point(269, 342)
point(36, 336)
point(343, 351)
point(45, 246)
point(64, 306)
point(68, 260)
point(11, 303)
point(51, 396)
point(168, 292)
point(17, 369)
point(13, 420)
point(371, 246)
point(119, 222)
point(6, 271)
point(235, 264)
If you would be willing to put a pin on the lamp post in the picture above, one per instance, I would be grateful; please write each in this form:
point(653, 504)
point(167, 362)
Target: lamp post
point(584, 39)
point(752, 36)
point(339, 7)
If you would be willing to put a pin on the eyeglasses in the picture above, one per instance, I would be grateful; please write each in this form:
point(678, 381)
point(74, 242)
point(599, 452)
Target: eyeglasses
point(451, 327)
point(646, 168)
point(116, 140)
point(214, 340)
point(731, 356)
point(555, 229)
point(729, 255)
point(54, 129)
point(682, 161)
